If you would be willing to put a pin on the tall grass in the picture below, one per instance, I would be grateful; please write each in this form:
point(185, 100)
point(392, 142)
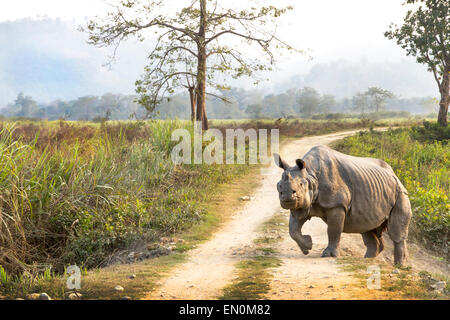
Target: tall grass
point(301, 128)
point(77, 193)
point(420, 158)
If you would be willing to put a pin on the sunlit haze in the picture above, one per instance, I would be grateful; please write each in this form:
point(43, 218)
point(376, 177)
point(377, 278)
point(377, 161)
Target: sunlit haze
point(350, 30)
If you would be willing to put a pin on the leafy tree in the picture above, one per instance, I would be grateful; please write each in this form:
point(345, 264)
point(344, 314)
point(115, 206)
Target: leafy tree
point(309, 101)
point(425, 34)
point(378, 97)
point(83, 108)
point(193, 44)
point(360, 102)
point(327, 102)
point(24, 106)
point(255, 111)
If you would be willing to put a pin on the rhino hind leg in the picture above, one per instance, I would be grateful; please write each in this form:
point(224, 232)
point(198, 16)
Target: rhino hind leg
point(374, 241)
point(381, 247)
point(373, 244)
point(398, 227)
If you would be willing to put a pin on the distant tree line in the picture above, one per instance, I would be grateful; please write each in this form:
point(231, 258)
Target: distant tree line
point(88, 108)
point(306, 102)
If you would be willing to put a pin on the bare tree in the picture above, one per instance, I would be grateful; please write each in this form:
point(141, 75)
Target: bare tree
point(194, 44)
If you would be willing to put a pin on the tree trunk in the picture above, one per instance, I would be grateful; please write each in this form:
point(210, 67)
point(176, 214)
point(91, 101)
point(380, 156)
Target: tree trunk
point(201, 69)
point(443, 111)
point(205, 117)
point(201, 91)
point(445, 99)
point(192, 98)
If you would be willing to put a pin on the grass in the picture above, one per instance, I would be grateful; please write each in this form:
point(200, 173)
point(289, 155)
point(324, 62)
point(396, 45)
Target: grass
point(80, 193)
point(406, 284)
point(296, 128)
point(99, 283)
point(254, 272)
point(77, 194)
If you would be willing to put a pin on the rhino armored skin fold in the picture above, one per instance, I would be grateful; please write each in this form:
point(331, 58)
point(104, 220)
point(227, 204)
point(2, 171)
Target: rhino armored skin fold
point(351, 195)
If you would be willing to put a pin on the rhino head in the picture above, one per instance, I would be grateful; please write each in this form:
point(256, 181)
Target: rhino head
point(293, 188)
point(295, 193)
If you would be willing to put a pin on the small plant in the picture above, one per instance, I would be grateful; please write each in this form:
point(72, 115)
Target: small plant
point(4, 278)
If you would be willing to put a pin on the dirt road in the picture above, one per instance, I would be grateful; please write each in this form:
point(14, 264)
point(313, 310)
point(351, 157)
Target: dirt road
point(211, 266)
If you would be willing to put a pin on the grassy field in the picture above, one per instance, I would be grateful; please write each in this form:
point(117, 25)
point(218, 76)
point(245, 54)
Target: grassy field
point(74, 193)
point(420, 158)
point(80, 193)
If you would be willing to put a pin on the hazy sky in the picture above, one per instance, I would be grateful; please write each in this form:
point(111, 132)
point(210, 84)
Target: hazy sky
point(329, 27)
point(332, 29)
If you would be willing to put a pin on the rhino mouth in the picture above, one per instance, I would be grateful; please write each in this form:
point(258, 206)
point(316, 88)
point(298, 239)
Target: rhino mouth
point(290, 204)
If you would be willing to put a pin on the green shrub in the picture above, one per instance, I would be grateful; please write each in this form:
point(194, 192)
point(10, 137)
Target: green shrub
point(75, 194)
point(431, 131)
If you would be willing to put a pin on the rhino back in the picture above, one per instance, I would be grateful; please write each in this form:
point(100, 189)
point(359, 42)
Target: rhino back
point(365, 187)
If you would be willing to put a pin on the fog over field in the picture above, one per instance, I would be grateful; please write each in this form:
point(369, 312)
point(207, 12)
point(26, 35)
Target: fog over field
point(46, 57)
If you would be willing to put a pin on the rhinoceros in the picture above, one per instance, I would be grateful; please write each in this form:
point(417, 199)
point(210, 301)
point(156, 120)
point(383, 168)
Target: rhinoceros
point(351, 195)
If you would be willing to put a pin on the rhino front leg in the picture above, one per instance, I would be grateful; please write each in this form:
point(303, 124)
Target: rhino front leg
point(296, 222)
point(335, 222)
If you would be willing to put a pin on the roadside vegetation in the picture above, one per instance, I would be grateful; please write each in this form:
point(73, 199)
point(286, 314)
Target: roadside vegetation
point(76, 193)
point(401, 283)
point(420, 158)
point(88, 193)
point(295, 128)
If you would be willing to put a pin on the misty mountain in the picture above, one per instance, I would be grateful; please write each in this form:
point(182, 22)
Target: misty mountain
point(49, 59)
point(344, 78)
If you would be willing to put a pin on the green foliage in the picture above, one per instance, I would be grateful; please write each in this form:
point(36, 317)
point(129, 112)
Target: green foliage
point(431, 131)
point(331, 116)
point(373, 98)
point(422, 164)
point(378, 97)
point(369, 116)
point(309, 101)
point(425, 35)
point(360, 102)
point(241, 104)
point(255, 111)
point(74, 193)
point(388, 115)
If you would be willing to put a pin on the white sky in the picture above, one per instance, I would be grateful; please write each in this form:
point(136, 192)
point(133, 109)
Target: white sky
point(332, 29)
point(329, 27)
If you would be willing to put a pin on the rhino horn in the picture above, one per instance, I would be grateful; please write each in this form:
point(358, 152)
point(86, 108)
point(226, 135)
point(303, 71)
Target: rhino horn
point(289, 176)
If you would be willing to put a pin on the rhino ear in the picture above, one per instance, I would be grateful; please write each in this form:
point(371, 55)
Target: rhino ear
point(280, 162)
point(300, 163)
